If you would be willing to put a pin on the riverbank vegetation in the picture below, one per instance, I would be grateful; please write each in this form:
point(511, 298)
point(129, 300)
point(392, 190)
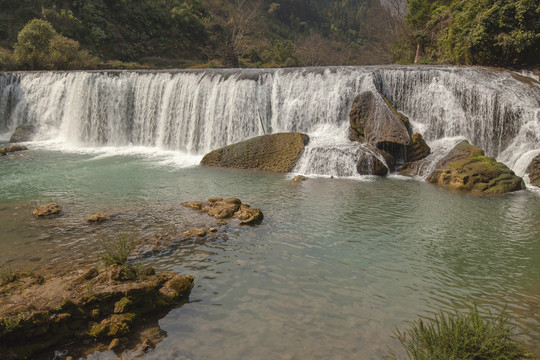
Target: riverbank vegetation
point(459, 336)
point(132, 34)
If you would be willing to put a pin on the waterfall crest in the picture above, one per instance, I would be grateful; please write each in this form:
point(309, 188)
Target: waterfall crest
point(194, 112)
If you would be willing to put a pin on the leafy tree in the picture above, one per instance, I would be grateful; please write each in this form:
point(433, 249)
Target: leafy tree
point(39, 47)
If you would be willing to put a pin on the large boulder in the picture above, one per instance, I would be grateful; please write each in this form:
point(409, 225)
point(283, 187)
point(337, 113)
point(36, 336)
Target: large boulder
point(23, 133)
point(467, 169)
point(374, 121)
point(534, 171)
point(276, 153)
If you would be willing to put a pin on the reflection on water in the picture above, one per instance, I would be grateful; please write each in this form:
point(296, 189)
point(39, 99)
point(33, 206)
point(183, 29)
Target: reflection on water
point(335, 265)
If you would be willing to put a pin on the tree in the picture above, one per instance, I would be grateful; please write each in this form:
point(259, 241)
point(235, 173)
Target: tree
point(40, 47)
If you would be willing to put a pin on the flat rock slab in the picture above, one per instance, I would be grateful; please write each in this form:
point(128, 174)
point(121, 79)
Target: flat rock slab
point(277, 153)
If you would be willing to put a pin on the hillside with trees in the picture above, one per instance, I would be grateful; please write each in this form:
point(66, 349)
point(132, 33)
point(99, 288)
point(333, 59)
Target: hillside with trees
point(265, 33)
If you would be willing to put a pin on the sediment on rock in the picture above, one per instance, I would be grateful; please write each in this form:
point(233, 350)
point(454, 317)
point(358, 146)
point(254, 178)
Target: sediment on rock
point(467, 169)
point(36, 314)
point(276, 153)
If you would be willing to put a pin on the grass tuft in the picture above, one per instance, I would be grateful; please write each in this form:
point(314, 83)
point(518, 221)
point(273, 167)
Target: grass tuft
point(462, 336)
point(116, 252)
point(7, 275)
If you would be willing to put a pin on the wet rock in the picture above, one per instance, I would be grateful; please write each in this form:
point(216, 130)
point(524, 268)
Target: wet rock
point(467, 169)
point(534, 171)
point(12, 148)
point(117, 344)
point(97, 218)
point(248, 215)
point(375, 122)
point(220, 208)
point(46, 210)
point(70, 308)
point(276, 153)
point(23, 133)
point(369, 164)
point(195, 232)
point(414, 168)
point(299, 178)
point(418, 149)
point(147, 345)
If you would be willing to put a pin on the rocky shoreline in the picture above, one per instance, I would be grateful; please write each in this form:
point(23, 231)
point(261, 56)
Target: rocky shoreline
point(113, 305)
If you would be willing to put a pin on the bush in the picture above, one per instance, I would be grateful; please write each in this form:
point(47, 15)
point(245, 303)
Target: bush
point(459, 336)
point(116, 252)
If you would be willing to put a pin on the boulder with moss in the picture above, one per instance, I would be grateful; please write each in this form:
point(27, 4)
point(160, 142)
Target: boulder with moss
point(466, 168)
point(276, 153)
point(94, 305)
point(534, 171)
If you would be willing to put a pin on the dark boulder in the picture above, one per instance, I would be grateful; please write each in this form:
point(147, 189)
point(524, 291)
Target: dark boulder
point(23, 133)
point(276, 153)
point(534, 171)
point(418, 149)
point(376, 122)
point(369, 164)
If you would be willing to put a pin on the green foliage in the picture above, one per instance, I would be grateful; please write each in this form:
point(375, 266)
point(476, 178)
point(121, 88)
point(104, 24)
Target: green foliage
point(484, 32)
point(7, 275)
point(461, 336)
point(116, 252)
point(40, 47)
point(7, 60)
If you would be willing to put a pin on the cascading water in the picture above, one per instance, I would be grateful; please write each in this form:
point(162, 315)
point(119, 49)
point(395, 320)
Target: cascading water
point(193, 112)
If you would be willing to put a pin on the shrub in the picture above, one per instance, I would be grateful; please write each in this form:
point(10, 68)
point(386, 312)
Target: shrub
point(116, 252)
point(462, 336)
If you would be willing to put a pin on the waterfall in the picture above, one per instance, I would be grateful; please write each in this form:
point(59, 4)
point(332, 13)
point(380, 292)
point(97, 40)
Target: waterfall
point(195, 111)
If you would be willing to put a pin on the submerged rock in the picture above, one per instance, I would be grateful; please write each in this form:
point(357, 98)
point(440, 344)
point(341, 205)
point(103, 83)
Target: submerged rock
point(466, 168)
point(12, 148)
point(23, 133)
point(299, 178)
point(98, 218)
point(46, 210)
point(220, 208)
point(534, 171)
point(272, 153)
point(39, 315)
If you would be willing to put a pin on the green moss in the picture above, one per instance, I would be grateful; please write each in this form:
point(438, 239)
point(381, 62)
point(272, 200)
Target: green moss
point(466, 168)
point(122, 305)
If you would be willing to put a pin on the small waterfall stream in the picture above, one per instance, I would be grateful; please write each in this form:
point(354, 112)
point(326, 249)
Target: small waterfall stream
point(193, 112)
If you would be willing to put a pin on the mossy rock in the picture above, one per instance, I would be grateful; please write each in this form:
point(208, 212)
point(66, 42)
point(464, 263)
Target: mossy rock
point(277, 153)
point(466, 168)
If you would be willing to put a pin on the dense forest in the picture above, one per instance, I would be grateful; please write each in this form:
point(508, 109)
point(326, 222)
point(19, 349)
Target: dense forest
point(73, 34)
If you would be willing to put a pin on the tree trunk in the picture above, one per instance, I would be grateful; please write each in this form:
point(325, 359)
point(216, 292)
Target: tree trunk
point(418, 53)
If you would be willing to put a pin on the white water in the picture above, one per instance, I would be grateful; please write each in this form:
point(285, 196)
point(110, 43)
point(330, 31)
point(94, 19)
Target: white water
point(193, 112)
